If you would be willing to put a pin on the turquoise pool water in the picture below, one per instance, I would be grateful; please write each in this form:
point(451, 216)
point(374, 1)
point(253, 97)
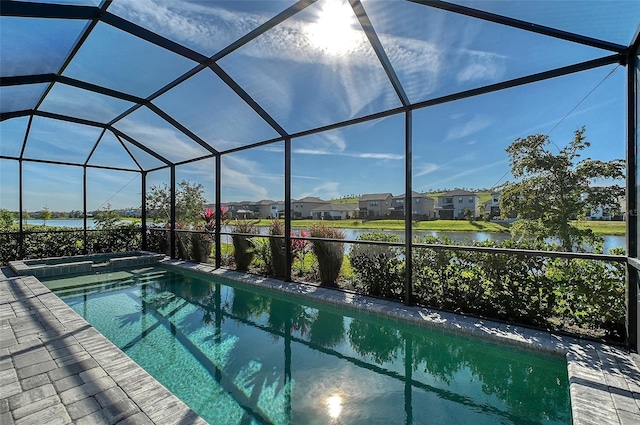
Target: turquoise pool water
point(239, 356)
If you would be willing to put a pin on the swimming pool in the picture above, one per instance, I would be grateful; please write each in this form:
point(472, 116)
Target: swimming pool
point(248, 356)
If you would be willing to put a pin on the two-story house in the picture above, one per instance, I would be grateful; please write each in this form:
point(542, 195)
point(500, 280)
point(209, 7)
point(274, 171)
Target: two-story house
point(375, 205)
point(492, 206)
point(422, 206)
point(452, 204)
point(301, 208)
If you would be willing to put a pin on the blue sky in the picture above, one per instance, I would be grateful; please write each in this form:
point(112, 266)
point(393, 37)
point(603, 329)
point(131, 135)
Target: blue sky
point(317, 68)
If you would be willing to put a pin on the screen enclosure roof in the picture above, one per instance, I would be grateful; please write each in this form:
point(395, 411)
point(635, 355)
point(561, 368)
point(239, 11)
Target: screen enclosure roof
point(144, 84)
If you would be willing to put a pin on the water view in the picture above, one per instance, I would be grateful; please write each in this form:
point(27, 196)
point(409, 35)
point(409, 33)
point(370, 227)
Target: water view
point(610, 241)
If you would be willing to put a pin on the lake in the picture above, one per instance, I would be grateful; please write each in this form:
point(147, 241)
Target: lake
point(610, 241)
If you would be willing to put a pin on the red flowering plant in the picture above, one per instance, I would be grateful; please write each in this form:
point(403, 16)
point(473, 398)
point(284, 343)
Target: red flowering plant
point(209, 218)
point(203, 243)
point(299, 248)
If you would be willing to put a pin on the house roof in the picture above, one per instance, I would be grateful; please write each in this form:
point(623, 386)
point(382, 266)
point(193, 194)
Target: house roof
point(311, 199)
point(336, 207)
point(375, 196)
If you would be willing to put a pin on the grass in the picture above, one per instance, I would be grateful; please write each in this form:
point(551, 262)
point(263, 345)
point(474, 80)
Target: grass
point(618, 228)
point(598, 227)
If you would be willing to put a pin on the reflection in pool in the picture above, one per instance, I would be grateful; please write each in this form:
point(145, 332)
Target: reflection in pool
point(239, 356)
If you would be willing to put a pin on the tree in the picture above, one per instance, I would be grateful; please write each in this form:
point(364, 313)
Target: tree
point(45, 215)
point(468, 215)
point(555, 189)
point(6, 219)
point(190, 202)
point(106, 218)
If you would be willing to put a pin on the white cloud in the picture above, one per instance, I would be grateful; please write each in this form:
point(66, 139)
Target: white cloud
point(477, 123)
point(167, 142)
point(327, 190)
point(481, 66)
point(465, 173)
point(426, 168)
point(365, 155)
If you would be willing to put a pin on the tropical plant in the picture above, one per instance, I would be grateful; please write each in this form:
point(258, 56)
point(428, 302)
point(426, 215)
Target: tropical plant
point(557, 188)
point(243, 246)
point(277, 245)
point(330, 254)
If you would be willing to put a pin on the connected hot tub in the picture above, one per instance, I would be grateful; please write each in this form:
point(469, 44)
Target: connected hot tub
point(58, 266)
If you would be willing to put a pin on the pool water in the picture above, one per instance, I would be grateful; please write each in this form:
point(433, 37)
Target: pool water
point(240, 356)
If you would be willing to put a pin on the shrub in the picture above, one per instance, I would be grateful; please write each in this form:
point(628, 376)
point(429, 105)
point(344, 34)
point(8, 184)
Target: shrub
point(329, 254)
point(379, 269)
point(243, 246)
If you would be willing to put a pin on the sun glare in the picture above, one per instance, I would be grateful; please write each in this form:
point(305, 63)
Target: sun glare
point(334, 406)
point(333, 30)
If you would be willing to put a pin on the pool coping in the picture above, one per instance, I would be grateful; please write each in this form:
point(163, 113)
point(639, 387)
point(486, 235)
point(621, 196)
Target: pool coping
point(54, 365)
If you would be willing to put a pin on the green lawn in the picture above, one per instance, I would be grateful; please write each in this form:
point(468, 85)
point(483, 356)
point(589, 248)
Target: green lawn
point(604, 227)
point(598, 227)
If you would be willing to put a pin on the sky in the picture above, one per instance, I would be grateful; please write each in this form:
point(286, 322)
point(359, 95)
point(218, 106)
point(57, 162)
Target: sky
point(315, 69)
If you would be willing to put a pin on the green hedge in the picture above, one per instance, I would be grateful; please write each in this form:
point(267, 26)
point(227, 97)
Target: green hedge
point(59, 242)
point(584, 296)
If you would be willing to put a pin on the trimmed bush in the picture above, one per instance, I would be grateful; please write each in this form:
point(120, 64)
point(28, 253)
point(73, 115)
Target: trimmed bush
point(379, 269)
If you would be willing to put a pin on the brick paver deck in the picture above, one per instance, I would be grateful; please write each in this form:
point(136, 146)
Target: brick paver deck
point(56, 369)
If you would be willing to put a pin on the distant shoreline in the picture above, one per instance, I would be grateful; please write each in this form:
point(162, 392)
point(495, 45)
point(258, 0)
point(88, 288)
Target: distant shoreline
point(602, 228)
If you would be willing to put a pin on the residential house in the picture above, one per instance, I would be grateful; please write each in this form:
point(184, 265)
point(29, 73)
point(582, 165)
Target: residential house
point(423, 206)
point(375, 205)
point(242, 210)
point(335, 211)
point(492, 206)
point(264, 208)
point(276, 209)
point(301, 208)
point(452, 204)
point(607, 212)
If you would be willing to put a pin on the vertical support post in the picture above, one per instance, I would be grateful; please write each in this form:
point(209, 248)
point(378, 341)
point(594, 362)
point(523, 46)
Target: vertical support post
point(632, 199)
point(21, 215)
point(172, 218)
point(84, 209)
point(287, 209)
point(218, 245)
point(20, 178)
point(143, 209)
point(408, 207)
